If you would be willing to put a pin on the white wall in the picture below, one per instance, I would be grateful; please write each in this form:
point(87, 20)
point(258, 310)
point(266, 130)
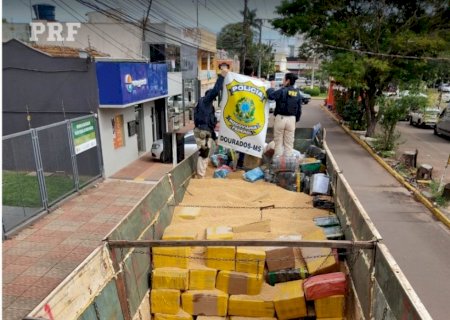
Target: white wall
point(148, 122)
point(174, 83)
point(116, 159)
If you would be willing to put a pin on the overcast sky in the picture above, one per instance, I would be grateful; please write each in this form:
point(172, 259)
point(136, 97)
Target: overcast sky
point(212, 14)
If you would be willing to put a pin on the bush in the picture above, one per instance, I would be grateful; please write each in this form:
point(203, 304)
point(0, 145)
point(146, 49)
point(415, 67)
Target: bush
point(323, 89)
point(391, 112)
point(314, 92)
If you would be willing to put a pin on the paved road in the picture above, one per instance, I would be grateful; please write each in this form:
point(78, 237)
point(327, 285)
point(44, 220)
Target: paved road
point(433, 150)
point(418, 242)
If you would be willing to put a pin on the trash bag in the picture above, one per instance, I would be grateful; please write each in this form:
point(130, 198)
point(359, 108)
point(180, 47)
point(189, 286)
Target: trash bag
point(285, 164)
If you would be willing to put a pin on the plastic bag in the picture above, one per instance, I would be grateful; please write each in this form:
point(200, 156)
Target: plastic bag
point(219, 159)
point(254, 175)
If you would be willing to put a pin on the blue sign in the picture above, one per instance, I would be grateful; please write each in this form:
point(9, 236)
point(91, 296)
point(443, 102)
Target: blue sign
point(125, 83)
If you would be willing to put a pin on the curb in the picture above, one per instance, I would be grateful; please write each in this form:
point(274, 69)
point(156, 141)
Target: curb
point(435, 211)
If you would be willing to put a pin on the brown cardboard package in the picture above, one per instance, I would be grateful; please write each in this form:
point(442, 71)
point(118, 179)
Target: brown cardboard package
point(279, 258)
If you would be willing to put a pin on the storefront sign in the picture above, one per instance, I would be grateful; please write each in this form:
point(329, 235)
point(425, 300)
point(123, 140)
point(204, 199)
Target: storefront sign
point(244, 117)
point(117, 128)
point(122, 84)
point(83, 133)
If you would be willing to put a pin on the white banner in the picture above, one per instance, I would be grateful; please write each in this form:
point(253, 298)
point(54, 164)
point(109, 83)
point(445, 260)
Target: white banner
point(244, 117)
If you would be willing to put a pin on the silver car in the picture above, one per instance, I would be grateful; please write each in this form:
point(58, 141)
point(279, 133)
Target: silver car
point(190, 146)
point(443, 124)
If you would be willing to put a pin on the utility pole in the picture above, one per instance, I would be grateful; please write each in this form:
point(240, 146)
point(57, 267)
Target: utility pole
point(244, 36)
point(144, 25)
point(259, 47)
point(312, 74)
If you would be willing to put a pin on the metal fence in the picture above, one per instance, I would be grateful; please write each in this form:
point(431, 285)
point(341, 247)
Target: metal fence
point(44, 165)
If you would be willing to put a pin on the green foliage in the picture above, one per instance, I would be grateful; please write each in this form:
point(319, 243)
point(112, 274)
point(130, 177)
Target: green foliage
point(391, 112)
point(437, 194)
point(350, 110)
point(367, 42)
point(314, 92)
point(20, 189)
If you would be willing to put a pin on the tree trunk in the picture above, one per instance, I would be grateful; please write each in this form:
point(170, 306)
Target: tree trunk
point(371, 115)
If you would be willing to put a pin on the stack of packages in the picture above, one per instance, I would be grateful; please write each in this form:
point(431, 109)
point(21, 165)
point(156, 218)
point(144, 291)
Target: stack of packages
point(312, 167)
point(286, 173)
point(230, 285)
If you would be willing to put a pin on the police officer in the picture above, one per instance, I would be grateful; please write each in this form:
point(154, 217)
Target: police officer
point(288, 111)
point(205, 121)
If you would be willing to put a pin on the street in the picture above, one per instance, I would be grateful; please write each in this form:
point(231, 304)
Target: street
point(433, 150)
point(418, 242)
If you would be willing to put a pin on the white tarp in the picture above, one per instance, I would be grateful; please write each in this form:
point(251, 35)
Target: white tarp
point(245, 114)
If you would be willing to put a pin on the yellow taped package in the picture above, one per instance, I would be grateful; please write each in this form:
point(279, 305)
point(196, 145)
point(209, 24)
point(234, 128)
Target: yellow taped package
point(181, 315)
point(319, 260)
point(219, 233)
point(250, 260)
point(250, 318)
point(179, 233)
point(170, 278)
point(211, 318)
point(187, 212)
point(202, 278)
point(233, 282)
point(165, 301)
point(250, 306)
point(289, 300)
point(330, 307)
point(221, 258)
point(205, 302)
point(177, 257)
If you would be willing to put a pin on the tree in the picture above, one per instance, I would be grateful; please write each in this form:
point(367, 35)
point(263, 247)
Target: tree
point(226, 39)
point(371, 44)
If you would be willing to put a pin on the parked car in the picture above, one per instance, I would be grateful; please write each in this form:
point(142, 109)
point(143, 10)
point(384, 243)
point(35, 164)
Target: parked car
point(305, 97)
point(272, 105)
point(444, 87)
point(427, 117)
point(442, 126)
point(177, 101)
point(190, 146)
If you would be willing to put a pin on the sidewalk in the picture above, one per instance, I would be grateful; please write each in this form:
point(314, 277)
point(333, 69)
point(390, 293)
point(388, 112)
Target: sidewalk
point(40, 256)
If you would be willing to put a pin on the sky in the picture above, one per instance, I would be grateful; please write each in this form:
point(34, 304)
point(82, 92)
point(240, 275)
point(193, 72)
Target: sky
point(212, 14)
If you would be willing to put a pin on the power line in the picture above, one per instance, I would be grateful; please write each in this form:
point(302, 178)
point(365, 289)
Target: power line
point(384, 54)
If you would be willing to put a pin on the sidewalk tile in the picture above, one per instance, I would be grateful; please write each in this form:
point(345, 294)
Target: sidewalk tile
point(25, 303)
point(13, 289)
point(7, 300)
point(14, 314)
point(37, 292)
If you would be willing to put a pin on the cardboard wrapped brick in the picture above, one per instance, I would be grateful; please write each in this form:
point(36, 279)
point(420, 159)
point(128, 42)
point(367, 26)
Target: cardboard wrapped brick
point(250, 260)
point(188, 213)
point(181, 315)
point(221, 258)
point(170, 278)
point(177, 257)
point(177, 233)
point(219, 233)
point(330, 307)
point(250, 318)
point(319, 260)
point(239, 282)
point(279, 258)
point(211, 318)
point(202, 278)
point(205, 302)
point(250, 306)
point(286, 275)
point(325, 285)
point(166, 301)
point(289, 300)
